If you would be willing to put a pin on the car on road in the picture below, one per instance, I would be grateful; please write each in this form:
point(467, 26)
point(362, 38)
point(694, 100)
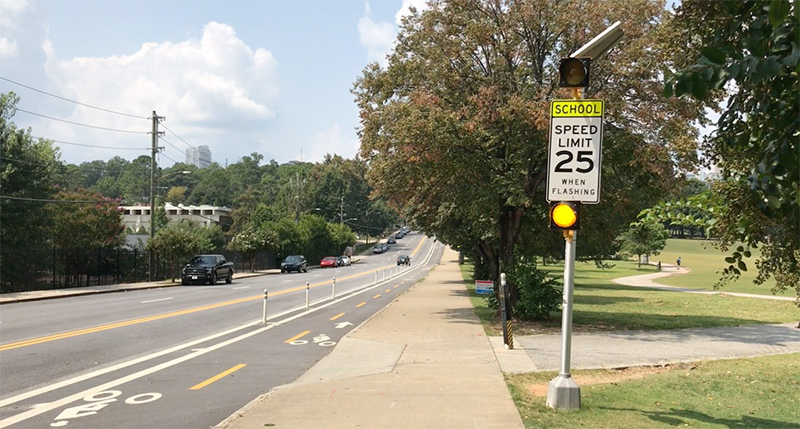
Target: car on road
point(399, 235)
point(391, 240)
point(404, 260)
point(207, 269)
point(294, 263)
point(328, 262)
point(343, 261)
point(378, 248)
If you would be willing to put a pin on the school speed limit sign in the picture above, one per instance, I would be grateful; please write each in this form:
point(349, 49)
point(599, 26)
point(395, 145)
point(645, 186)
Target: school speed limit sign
point(574, 154)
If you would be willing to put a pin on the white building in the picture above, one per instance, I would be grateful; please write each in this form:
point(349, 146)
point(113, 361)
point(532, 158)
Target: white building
point(200, 157)
point(137, 218)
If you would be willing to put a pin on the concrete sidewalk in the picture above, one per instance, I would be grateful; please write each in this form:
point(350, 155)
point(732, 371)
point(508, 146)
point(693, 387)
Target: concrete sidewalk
point(422, 362)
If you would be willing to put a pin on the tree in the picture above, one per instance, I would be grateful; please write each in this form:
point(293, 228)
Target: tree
point(28, 170)
point(455, 129)
point(179, 241)
point(644, 237)
point(86, 224)
point(750, 51)
point(176, 195)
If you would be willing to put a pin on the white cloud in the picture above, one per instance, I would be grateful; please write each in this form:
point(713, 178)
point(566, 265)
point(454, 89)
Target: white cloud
point(10, 14)
point(379, 37)
point(205, 87)
point(333, 141)
point(404, 11)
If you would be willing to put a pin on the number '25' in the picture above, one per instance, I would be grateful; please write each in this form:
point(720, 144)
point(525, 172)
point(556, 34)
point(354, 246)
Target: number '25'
point(583, 156)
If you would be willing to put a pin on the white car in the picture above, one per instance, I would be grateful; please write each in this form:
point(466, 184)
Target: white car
point(343, 260)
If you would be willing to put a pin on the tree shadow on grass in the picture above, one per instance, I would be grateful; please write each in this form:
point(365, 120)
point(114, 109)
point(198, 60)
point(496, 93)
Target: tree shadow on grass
point(678, 417)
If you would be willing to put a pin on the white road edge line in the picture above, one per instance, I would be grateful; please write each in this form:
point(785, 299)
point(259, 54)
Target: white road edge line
point(64, 401)
point(155, 300)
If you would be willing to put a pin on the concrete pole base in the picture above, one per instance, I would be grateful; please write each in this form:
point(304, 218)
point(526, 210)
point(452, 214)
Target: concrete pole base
point(563, 393)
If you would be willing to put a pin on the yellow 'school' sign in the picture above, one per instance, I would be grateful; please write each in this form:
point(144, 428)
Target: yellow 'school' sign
point(576, 108)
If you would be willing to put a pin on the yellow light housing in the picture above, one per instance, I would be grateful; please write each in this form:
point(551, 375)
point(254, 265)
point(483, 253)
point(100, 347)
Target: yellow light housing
point(565, 215)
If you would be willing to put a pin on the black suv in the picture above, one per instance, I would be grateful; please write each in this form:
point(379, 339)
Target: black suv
point(294, 263)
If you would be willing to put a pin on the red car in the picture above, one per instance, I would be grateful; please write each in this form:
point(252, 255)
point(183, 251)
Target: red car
point(328, 261)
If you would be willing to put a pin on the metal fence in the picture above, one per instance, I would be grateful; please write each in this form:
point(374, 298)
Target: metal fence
point(58, 268)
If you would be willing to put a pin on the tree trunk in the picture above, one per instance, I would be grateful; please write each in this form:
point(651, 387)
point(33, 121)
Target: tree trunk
point(510, 220)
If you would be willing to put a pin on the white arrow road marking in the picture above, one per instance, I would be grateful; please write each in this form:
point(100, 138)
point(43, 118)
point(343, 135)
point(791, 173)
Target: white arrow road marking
point(343, 325)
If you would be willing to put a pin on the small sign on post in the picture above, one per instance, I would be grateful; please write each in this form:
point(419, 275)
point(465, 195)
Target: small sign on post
point(484, 286)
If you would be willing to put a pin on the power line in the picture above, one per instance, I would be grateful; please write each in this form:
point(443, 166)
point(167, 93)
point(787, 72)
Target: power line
point(72, 101)
point(39, 200)
point(83, 125)
point(184, 141)
point(165, 156)
point(94, 146)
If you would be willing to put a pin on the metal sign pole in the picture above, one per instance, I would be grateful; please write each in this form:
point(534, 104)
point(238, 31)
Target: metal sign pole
point(563, 392)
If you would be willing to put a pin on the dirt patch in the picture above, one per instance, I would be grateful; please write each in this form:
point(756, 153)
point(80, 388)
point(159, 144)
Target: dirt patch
point(609, 376)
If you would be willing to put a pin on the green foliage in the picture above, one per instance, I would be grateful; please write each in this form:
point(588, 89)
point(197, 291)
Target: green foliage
point(645, 237)
point(753, 48)
point(455, 128)
point(28, 170)
point(179, 241)
point(86, 225)
point(539, 295)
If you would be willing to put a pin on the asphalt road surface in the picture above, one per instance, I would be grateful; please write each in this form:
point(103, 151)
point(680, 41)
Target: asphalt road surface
point(186, 356)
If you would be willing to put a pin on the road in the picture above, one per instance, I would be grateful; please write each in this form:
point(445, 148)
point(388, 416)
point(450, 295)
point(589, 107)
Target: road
point(186, 356)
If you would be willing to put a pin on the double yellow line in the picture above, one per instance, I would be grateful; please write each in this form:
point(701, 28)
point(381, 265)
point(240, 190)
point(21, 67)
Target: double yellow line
point(70, 334)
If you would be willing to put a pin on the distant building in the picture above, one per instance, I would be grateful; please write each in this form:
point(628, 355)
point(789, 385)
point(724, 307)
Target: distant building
point(137, 218)
point(706, 175)
point(200, 157)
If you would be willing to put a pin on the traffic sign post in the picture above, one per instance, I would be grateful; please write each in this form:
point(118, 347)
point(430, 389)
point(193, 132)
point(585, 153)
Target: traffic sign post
point(574, 154)
point(573, 177)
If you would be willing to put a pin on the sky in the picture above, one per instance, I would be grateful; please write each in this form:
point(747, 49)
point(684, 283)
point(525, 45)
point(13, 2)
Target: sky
point(266, 76)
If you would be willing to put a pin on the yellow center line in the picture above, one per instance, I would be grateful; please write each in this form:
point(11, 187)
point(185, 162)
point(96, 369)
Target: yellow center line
point(217, 377)
point(362, 304)
point(388, 290)
point(376, 296)
point(70, 334)
point(337, 316)
point(298, 336)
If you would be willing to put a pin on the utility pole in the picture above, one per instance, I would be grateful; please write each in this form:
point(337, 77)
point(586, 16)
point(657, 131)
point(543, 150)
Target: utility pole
point(154, 151)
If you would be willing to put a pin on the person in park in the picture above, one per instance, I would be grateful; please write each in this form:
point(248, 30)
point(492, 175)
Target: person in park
point(679, 261)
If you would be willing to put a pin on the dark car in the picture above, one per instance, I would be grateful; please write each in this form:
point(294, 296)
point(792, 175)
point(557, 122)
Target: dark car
point(294, 263)
point(207, 269)
point(391, 240)
point(404, 260)
point(378, 248)
point(399, 235)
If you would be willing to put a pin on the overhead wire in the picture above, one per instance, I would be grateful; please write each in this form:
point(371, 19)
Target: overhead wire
point(93, 146)
point(80, 124)
point(72, 101)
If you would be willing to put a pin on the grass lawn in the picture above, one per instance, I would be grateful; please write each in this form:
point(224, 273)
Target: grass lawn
point(741, 393)
point(758, 392)
point(601, 305)
point(706, 262)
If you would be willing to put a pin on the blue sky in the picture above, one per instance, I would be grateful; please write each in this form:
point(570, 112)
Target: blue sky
point(272, 77)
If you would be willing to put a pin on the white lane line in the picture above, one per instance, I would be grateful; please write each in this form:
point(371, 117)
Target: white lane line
point(241, 287)
point(155, 300)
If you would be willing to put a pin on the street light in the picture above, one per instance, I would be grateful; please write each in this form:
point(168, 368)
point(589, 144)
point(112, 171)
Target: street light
point(153, 187)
